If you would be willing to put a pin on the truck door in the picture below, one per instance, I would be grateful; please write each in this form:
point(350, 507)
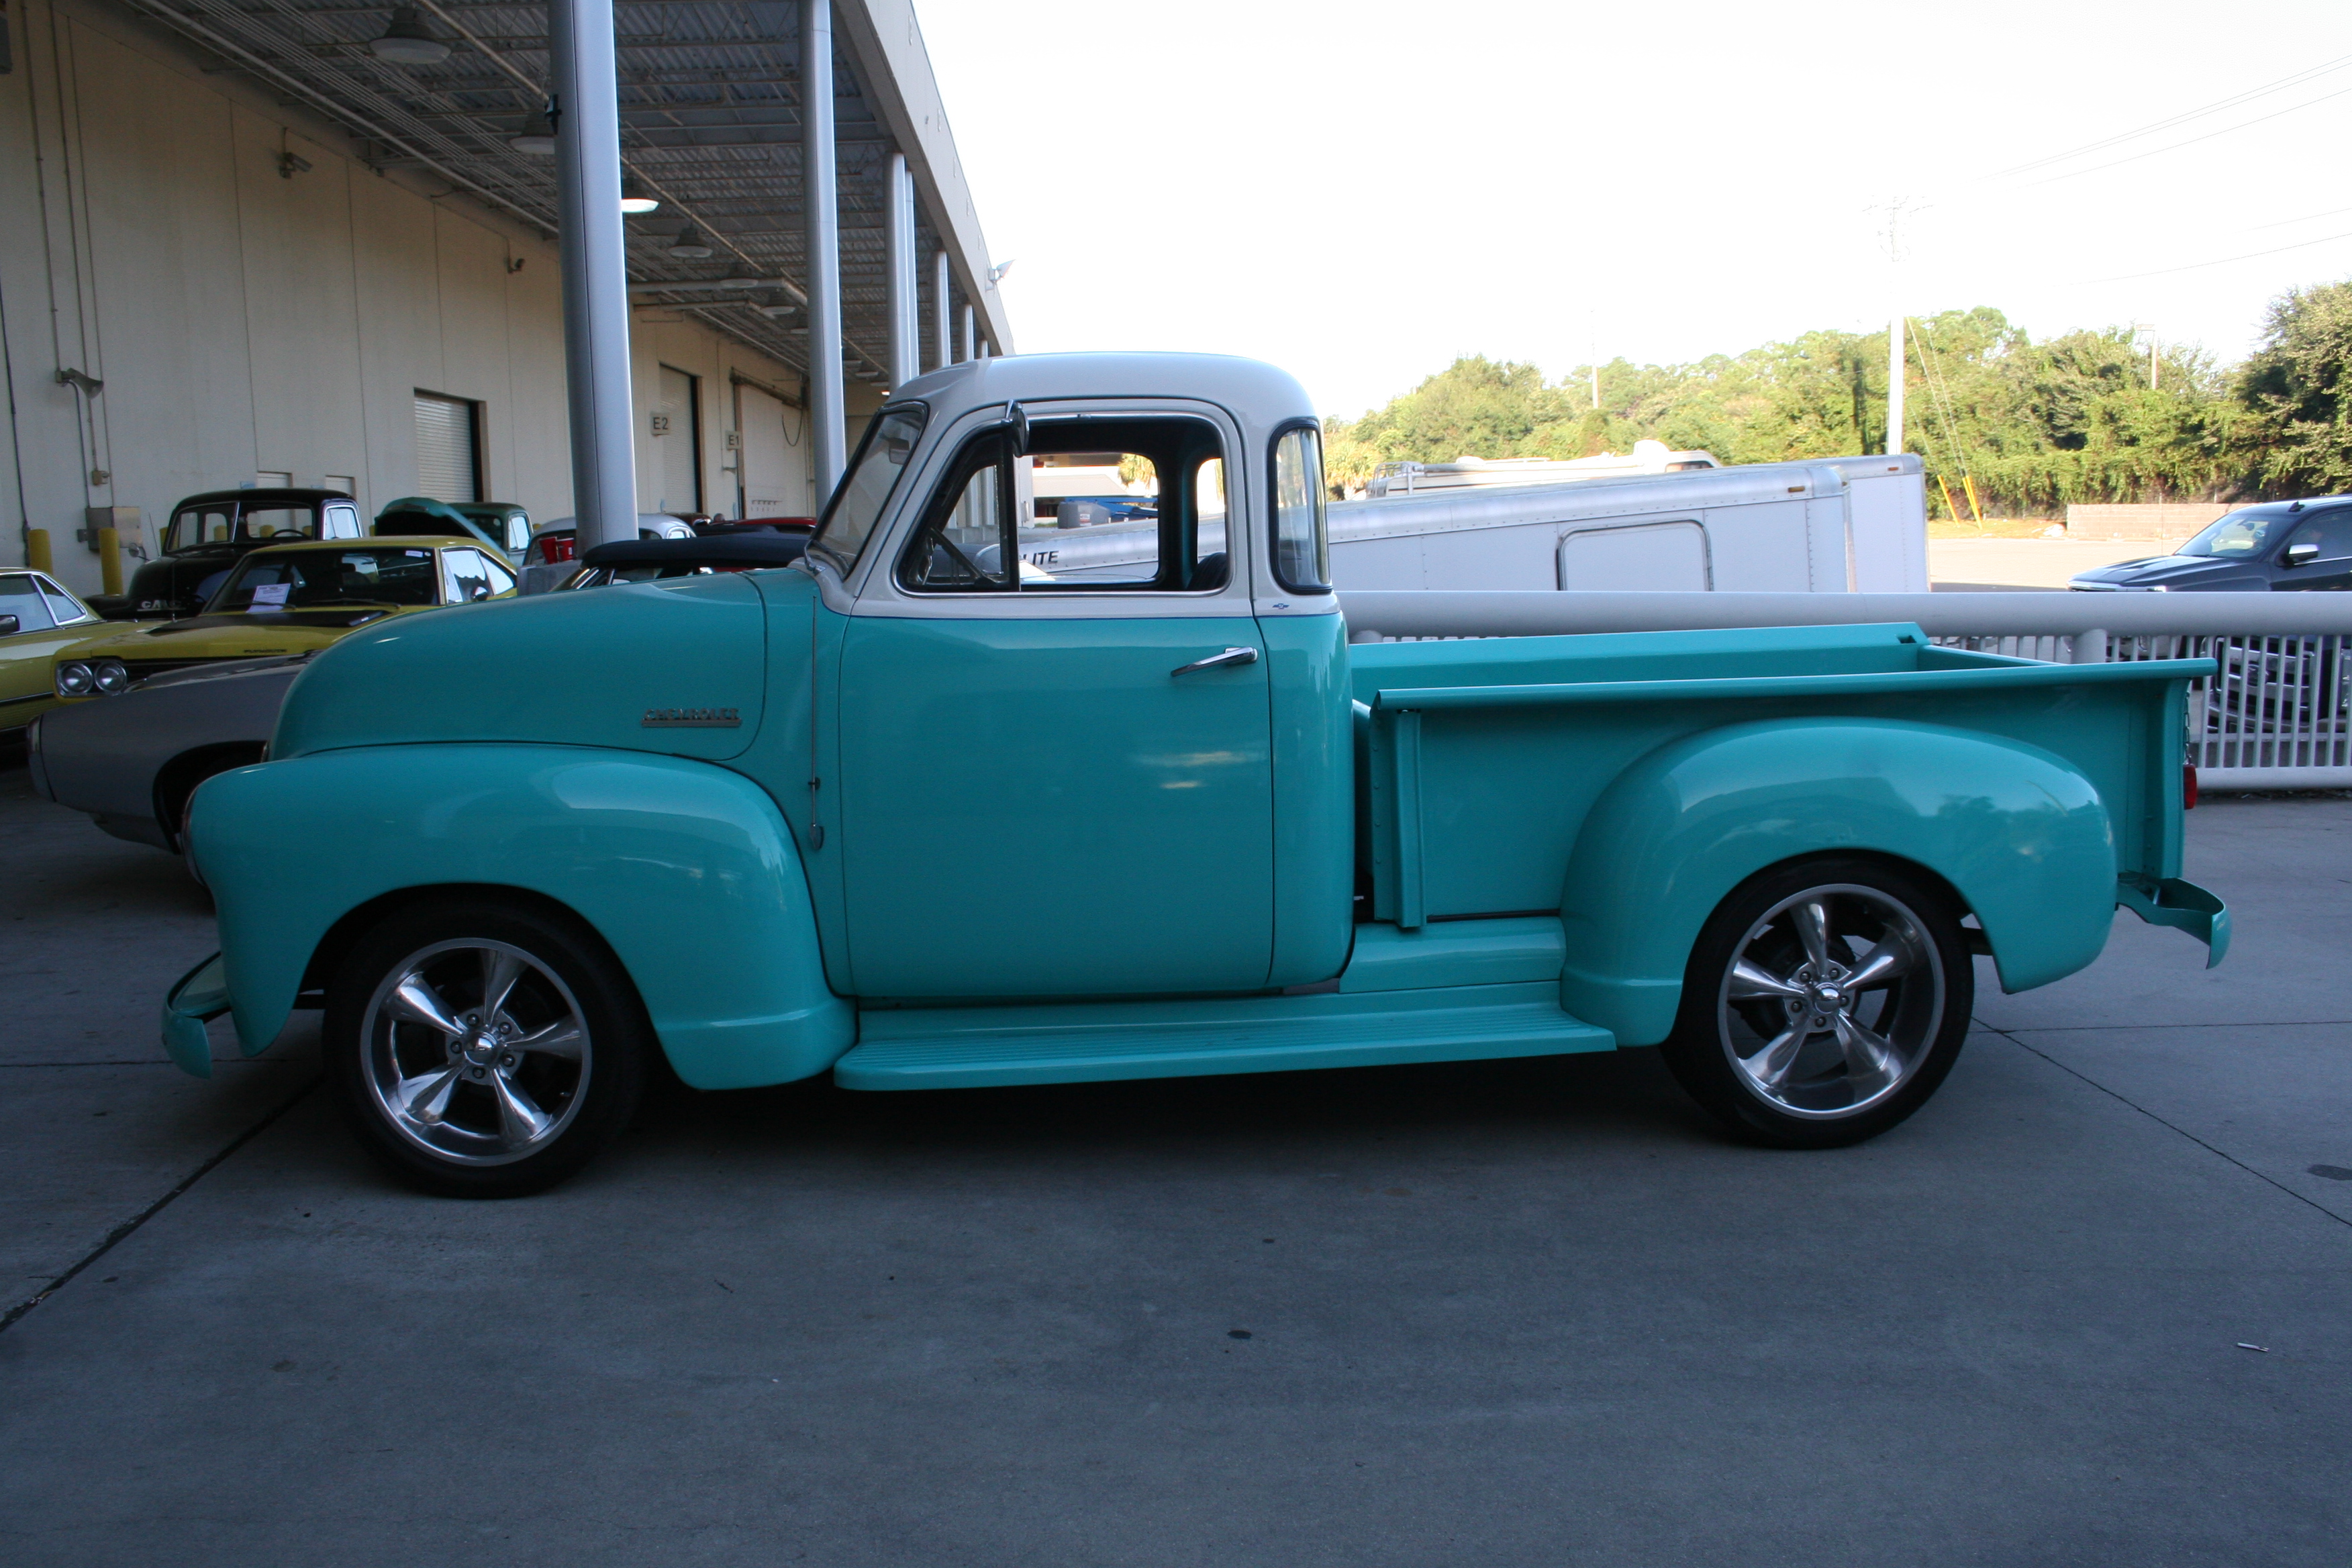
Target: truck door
point(2317, 556)
point(1052, 723)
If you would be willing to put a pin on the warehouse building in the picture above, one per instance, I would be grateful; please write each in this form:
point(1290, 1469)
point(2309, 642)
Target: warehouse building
point(309, 242)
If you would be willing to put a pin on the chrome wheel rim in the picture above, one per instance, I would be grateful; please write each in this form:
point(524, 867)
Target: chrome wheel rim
point(1832, 1002)
point(476, 1052)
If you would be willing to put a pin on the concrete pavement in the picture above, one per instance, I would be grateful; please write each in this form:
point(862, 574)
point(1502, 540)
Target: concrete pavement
point(1532, 1312)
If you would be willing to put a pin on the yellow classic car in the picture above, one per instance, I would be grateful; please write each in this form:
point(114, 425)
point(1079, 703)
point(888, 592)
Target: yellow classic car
point(290, 599)
point(38, 620)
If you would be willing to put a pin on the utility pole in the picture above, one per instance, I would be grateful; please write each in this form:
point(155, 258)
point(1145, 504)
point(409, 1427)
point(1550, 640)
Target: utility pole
point(1593, 351)
point(2155, 365)
point(1895, 326)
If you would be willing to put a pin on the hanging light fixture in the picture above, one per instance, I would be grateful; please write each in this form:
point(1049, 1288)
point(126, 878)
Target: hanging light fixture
point(776, 305)
point(689, 245)
point(406, 43)
point(634, 198)
point(537, 136)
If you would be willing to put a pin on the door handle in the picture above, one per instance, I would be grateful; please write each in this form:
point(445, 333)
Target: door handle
point(1232, 655)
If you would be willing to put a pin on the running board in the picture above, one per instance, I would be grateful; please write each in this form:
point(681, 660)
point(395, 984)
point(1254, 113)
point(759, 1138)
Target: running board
point(978, 1047)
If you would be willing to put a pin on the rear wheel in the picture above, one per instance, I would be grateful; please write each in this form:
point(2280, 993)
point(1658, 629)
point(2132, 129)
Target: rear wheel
point(484, 1049)
point(1824, 1003)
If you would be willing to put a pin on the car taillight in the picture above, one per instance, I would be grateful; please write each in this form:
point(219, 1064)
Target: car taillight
point(2189, 786)
point(551, 550)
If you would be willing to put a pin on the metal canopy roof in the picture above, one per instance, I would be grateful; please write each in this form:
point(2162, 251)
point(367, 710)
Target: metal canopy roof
point(709, 95)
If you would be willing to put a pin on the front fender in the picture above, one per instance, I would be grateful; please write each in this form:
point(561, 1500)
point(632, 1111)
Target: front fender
point(2020, 835)
point(686, 869)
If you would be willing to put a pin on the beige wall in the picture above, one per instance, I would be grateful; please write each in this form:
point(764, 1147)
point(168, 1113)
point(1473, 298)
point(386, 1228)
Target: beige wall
point(247, 322)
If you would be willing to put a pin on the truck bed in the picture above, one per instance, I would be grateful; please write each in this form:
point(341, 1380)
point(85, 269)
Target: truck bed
point(1482, 757)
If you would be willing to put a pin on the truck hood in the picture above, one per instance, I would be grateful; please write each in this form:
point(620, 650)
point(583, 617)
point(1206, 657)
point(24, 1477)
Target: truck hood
point(2175, 572)
point(676, 668)
point(237, 635)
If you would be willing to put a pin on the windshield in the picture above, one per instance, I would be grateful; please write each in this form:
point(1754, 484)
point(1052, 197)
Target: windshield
point(221, 524)
point(857, 505)
point(2237, 536)
point(319, 579)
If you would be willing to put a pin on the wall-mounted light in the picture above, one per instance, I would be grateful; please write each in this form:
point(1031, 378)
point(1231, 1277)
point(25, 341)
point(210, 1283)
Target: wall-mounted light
point(689, 245)
point(634, 198)
point(537, 136)
point(406, 43)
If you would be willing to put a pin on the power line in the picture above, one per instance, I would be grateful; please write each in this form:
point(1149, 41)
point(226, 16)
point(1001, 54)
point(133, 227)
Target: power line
point(2288, 222)
point(2176, 146)
point(2224, 261)
point(2298, 77)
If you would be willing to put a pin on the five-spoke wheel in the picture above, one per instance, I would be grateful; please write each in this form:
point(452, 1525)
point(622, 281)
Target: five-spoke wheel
point(483, 1050)
point(1824, 1003)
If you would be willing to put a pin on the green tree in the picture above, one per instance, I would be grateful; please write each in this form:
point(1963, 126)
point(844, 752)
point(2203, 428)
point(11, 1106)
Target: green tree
point(2296, 394)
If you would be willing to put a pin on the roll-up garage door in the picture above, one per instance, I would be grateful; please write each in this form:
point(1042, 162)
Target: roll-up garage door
point(447, 466)
point(775, 479)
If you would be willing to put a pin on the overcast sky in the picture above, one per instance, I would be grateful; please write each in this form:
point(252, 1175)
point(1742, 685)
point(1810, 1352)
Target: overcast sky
point(1358, 193)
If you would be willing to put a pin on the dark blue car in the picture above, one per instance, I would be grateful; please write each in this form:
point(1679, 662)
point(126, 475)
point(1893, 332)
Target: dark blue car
point(2279, 544)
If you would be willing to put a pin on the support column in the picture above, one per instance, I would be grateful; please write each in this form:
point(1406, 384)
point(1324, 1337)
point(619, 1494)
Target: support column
point(595, 270)
point(941, 314)
point(968, 350)
point(829, 449)
point(898, 215)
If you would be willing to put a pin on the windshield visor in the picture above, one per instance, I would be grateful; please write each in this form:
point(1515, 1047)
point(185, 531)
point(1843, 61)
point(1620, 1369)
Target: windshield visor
point(324, 579)
point(857, 507)
point(2237, 537)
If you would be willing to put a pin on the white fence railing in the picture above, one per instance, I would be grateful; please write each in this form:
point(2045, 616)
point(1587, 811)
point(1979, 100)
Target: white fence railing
point(2278, 716)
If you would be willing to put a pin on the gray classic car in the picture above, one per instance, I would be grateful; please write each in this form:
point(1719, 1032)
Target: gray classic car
point(133, 761)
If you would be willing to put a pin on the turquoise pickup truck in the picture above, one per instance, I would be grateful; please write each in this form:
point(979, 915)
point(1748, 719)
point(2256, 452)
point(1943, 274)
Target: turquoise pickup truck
point(915, 811)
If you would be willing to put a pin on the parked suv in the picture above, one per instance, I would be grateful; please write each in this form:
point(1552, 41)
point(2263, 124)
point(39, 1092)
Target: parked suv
point(210, 533)
point(2291, 544)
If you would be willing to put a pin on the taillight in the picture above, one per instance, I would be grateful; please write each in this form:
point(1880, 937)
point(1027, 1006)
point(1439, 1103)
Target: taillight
point(2189, 786)
point(552, 548)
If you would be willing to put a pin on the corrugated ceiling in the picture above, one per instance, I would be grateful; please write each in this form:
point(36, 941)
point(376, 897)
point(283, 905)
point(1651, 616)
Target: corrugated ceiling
point(709, 118)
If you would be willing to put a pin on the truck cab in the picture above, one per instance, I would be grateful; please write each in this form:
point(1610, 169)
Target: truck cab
point(920, 810)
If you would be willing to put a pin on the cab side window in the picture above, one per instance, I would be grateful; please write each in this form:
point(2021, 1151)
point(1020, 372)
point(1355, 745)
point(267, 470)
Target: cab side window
point(2332, 533)
point(1301, 555)
point(342, 522)
point(1091, 504)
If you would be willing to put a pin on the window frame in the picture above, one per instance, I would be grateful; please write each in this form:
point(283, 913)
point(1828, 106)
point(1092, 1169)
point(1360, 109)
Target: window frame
point(1008, 498)
point(1274, 508)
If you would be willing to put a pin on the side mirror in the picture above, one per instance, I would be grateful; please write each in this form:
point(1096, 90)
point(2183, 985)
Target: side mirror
point(8, 625)
point(2300, 554)
point(1017, 426)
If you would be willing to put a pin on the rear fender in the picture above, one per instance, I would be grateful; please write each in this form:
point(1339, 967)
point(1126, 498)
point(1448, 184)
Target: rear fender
point(2020, 835)
point(686, 869)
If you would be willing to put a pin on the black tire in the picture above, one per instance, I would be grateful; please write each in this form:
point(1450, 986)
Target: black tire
point(1816, 1063)
point(484, 1112)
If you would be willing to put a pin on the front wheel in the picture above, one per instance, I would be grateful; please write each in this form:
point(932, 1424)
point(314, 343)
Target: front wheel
point(482, 1048)
point(1824, 1003)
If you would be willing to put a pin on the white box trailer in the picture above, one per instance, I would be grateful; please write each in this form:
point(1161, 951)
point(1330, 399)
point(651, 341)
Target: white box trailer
point(1828, 526)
